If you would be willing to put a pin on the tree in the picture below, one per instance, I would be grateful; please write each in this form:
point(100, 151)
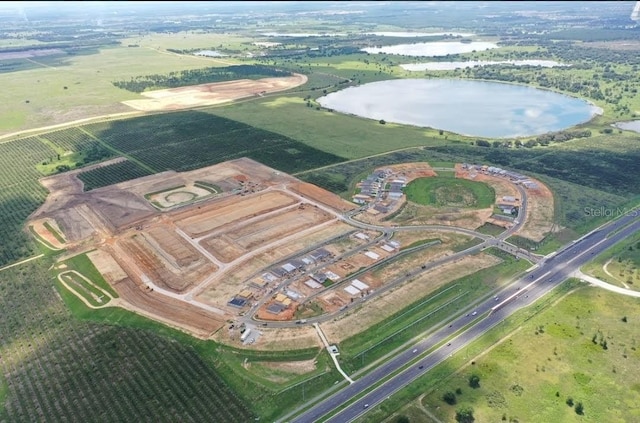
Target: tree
point(465, 415)
point(449, 397)
point(579, 409)
point(474, 381)
point(382, 122)
point(402, 419)
point(570, 402)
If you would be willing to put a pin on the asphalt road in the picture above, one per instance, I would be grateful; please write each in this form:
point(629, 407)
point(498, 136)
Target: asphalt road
point(525, 291)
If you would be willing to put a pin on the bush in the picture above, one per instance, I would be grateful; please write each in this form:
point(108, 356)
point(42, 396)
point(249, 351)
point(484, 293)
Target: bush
point(465, 415)
point(449, 398)
point(570, 402)
point(579, 409)
point(474, 381)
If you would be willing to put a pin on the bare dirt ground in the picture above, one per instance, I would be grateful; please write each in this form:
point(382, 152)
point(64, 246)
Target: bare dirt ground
point(239, 240)
point(322, 196)
point(277, 339)
point(414, 214)
point(234, 279)
point(382, 307)
point(411, 171)
point(233, 209)
point(501, 186)
point(46, 234)
point(189, 317)
point(540, 216)
point(296, 367)
point(210, 94)
point(181, 195)
point(107, 266)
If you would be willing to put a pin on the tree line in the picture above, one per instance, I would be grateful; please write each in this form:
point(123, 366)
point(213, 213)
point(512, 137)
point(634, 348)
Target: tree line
point(184, 78)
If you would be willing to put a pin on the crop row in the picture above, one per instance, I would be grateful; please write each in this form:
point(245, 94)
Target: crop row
point(20, 194)
point(111, 174)
point(58, 368)
point(190, 140)
point(71, 139)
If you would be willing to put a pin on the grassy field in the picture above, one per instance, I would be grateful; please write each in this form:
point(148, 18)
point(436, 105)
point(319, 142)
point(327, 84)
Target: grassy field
point(447, 191)
point(551, 358)
point(621, 263)
point(554, 338)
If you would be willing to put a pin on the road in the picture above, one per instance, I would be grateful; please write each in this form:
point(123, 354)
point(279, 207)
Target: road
point(549, 273)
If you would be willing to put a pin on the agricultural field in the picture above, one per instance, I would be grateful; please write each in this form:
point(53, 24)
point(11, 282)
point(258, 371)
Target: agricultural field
point(111, 174)
point(50, 358)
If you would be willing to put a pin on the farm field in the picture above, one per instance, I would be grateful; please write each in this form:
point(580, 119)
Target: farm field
point(49, 358)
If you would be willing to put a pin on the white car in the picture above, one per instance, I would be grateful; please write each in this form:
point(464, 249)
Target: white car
point(415, 351)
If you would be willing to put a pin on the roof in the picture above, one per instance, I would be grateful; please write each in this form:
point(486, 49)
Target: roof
point(280, 298)
point(279, 272)
point(237, 302)
point(372, 255)
point(352, 290)
point(245, 293)
point(387, 248)
point(275, 308)
point(360, 235)
point(288, 267)
point(332, 275)
point(313, 284)
point(359, 284)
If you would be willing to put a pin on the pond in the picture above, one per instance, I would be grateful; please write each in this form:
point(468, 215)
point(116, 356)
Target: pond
point(432, 49)
point(633, 125)
point(474, 108)
point(435, 66)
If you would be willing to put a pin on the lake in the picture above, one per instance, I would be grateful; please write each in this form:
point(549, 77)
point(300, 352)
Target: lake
point(633, 125)
point(416, 67)
point(418, 34)
point(474, 108)
point(436, 48)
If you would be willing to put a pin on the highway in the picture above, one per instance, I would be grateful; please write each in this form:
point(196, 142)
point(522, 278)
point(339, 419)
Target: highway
point(548, 274)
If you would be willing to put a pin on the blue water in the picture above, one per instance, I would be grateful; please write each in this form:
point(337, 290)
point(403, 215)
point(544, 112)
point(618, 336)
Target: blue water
point(633, 125)
point(474, 108)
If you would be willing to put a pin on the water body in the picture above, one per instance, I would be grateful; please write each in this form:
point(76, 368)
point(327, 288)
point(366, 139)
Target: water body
point(436, 48)
point(633, 125)
point(474, 108)
point(416, 67)
point(418, 34)
point(302, 34)
point(209, 53)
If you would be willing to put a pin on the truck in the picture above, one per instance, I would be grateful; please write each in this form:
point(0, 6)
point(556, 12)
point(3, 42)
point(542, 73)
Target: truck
point(245, 335)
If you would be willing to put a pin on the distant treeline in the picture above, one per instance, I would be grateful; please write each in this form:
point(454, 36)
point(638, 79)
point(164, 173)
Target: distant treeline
point(199, 76)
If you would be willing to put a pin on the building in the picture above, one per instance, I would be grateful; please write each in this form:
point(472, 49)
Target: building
point(319, 254)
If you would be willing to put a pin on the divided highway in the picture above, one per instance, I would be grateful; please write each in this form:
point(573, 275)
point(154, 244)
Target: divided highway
point(548, 274)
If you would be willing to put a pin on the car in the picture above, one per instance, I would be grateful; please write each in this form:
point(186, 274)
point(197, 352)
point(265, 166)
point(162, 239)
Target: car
point(366, 406)
point(415, 350)
point(421, 367)
point(497, 298)
point(474, 313)
point(448, 344)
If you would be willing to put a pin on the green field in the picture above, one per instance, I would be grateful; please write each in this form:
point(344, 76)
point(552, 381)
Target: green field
point(450, 192)
point(621, 263)
point(550, 358)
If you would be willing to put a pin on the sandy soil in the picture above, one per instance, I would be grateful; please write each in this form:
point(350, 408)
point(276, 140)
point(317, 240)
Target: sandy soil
point(240, 240)
point(233, 209)
point(178, 196)
point(382, 307)
point(540, 217)
point(107, 266)
point(322, 196)
point(413, 214)
point(210, 94)
point(276, 339)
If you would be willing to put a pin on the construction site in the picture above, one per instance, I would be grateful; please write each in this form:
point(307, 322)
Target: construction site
point(239, 241)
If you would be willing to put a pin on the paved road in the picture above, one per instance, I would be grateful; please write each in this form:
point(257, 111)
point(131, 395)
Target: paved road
point(549, 274)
